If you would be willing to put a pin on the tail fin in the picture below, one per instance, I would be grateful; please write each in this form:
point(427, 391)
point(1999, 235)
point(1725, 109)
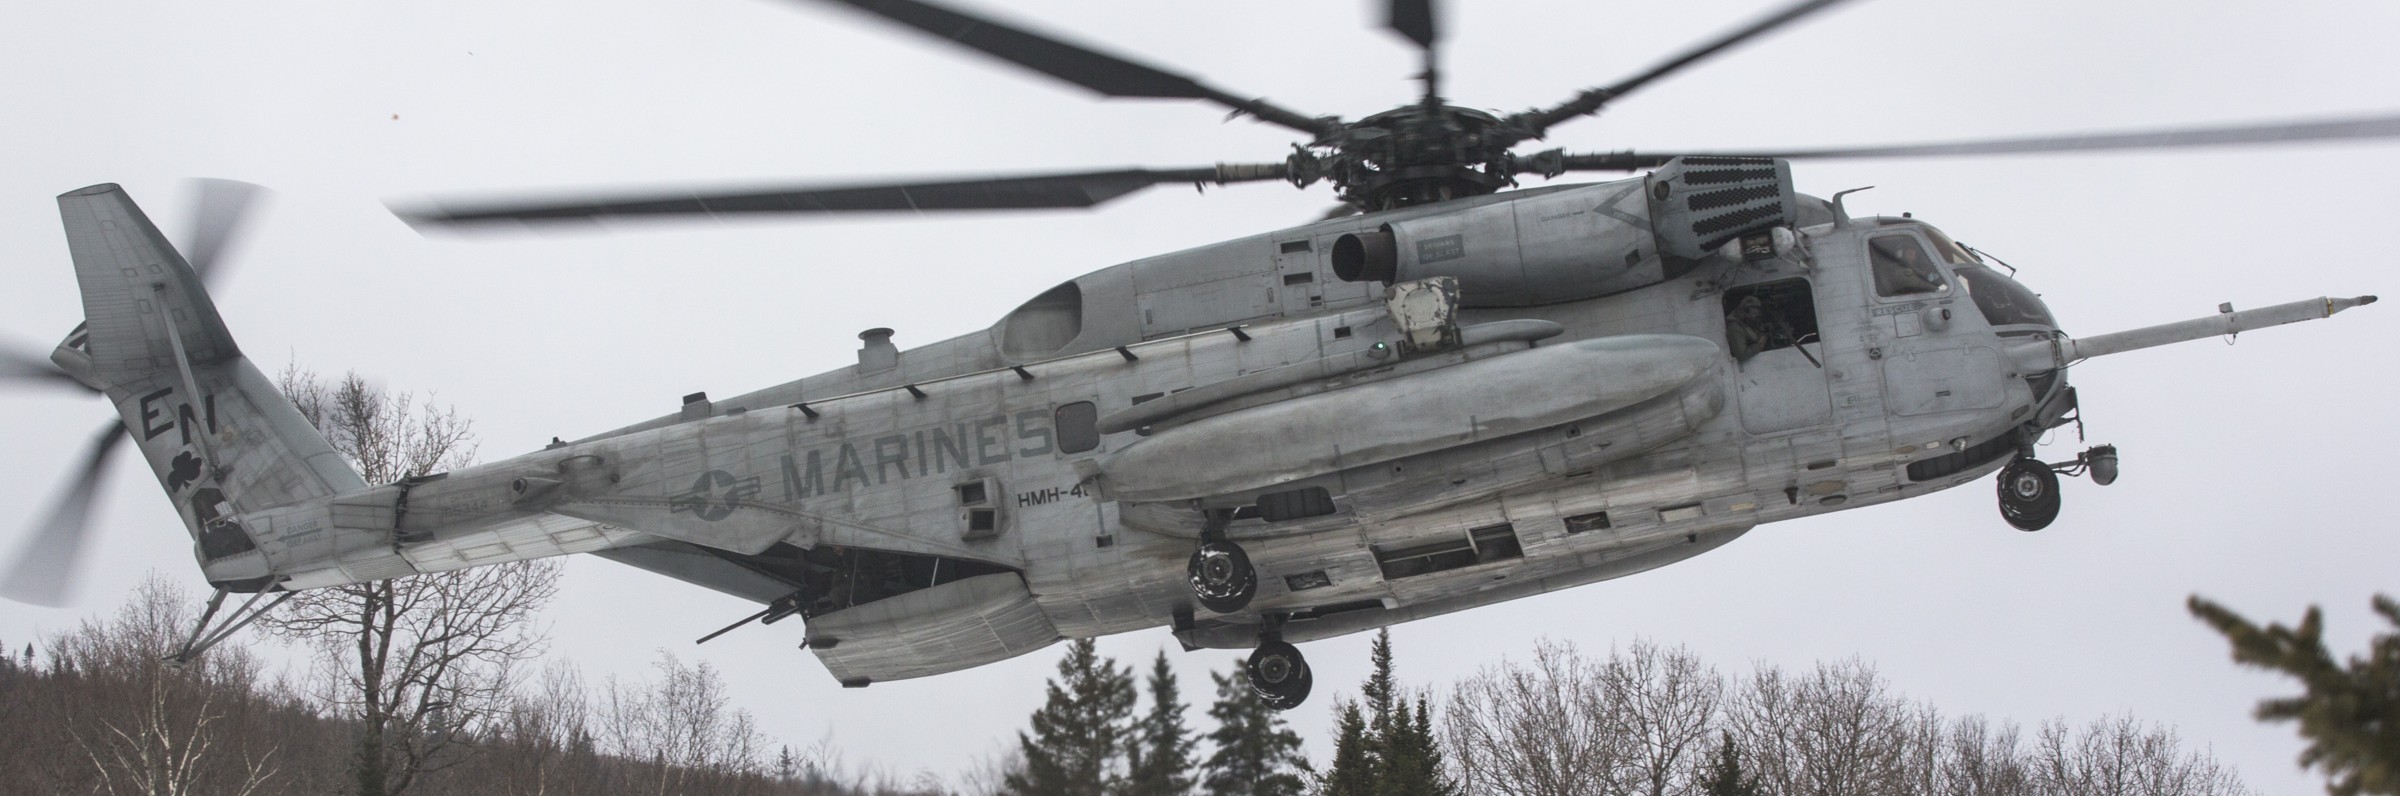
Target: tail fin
point(221, 438)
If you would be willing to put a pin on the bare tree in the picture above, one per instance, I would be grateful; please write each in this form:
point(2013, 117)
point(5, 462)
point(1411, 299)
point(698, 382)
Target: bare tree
point(1979, 759)
point(421, 664)
point(153, 728)
point(2121, 756)
point(1669, 701)
point(680, 724)
point(1845, 732)
point(548, 728)
point(1546, 728)
point(1650, 719)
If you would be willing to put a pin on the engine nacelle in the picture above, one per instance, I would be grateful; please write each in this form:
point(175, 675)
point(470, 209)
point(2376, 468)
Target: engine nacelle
point(1579, 244)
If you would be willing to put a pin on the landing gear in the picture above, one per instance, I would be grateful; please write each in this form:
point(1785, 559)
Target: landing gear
point(2028, 494)
point(1278, 674)
point(1222, 578)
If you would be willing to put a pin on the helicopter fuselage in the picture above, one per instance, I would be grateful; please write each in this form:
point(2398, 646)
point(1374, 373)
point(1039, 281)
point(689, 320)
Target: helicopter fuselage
point(946, 506)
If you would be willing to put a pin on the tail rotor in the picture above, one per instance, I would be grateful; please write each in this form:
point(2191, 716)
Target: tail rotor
point(43, 568)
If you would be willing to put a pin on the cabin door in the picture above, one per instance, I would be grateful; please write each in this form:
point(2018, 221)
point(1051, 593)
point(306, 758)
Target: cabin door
point(1771, 332)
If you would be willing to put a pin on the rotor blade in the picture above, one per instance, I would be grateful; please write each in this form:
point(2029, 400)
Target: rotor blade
point(1537, 123)
point(1110, 75)
point(1413, 19)
point(221, 206)
point(47, 562)
point(999, 193)
point(2370, 127)
point(2357, 128)
point(17, 365)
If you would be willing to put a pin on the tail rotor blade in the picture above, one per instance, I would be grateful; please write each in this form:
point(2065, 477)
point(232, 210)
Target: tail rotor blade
point(222, 206)
point(46, 564)
point(24, 367)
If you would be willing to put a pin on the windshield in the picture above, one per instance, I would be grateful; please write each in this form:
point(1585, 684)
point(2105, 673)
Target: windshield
point(1951, 251)
point(2003, 301)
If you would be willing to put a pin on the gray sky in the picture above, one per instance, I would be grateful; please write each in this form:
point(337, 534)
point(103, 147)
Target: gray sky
point(2253, 473)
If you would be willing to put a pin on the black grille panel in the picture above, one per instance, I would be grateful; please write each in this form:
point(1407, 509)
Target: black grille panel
point(1699, 204)
point(1974, 456)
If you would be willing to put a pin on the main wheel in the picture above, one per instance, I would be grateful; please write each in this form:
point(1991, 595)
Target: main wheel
point(1222, 578)
point(2028, 494)
point(1279, 675)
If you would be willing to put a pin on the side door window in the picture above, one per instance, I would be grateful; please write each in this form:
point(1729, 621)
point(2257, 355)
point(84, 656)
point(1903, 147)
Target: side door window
point(1903, 267)
point(1078, 427)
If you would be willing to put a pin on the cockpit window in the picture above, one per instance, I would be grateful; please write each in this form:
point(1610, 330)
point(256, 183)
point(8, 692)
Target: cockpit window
point(2004, 301)
point(1949, 249)
point(1902, 267)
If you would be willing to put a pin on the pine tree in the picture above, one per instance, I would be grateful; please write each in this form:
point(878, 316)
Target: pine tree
point(2349, 715)
point(1353, 770)
point(1257, 754)
point(1078, 732)
point(1412, 761)
point(1380, 686)
point(1160, 755)
point(1395, 752)
point(1725, 777)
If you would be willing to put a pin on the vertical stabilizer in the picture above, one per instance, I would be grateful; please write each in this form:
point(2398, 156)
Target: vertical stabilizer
point(220, 437)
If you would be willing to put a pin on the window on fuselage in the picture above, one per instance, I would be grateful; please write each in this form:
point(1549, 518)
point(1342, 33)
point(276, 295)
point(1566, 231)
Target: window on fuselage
point(1902, 266)
point(1078, 426)
point(1767, 316)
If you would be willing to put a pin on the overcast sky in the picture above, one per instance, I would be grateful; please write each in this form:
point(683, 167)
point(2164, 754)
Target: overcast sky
point(2254, 474)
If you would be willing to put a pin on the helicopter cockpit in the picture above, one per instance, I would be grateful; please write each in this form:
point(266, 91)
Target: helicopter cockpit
point(2004, 302)
point(1903, 269)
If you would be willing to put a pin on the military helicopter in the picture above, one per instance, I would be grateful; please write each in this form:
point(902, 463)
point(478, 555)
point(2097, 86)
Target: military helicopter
point(1448, 395)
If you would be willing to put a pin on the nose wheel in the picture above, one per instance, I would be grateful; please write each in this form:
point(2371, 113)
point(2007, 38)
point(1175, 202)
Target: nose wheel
point(2028, 494)
point(1278, 674)
point(1222, 578)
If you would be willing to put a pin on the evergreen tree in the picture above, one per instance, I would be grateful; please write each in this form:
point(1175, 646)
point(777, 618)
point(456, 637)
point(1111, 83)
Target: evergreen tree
point(1353, 770)
point(1257, 754)
point(1380, 687)
point(2349, 715)
point(787, 767)
point(1412, 761)
point(1725, 777)
point(1160, 755)
point(1394, 751)
point(1078, 732)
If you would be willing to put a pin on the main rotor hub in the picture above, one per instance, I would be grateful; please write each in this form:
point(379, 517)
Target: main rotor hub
point(1412, 155)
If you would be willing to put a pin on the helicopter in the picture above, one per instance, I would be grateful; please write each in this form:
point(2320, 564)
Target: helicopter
point(1405, 410)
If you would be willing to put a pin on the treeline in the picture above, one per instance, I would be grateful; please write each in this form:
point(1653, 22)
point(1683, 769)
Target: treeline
point(98, 710)
point(1643, 719)
point(1653, 720)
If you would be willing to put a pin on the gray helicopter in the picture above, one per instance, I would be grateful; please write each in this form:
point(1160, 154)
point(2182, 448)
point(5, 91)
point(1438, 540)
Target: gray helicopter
point(1447, 394)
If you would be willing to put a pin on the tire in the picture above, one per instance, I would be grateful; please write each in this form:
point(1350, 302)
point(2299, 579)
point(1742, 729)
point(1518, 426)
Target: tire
point(2029, 498)
point(1221, 576)
point(1279, 675)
